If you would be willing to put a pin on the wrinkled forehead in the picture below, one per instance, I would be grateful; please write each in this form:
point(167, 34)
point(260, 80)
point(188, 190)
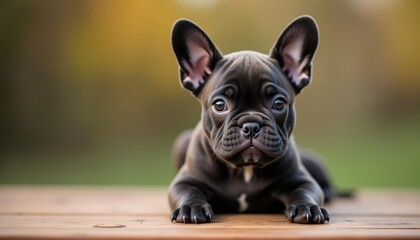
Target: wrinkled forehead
point(250, 70)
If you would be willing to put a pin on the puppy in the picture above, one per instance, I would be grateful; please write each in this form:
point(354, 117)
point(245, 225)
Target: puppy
point(241, 156)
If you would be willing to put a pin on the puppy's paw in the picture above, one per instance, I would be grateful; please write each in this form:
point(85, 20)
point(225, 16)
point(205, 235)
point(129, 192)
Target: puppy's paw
point(192, 213)
point(307, 213)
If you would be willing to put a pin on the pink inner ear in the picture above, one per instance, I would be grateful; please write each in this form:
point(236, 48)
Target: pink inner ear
point(199, 65)
point(291, 56)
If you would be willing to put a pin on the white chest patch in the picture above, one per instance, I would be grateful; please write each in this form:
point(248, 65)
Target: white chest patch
point(248, 172)
point(243, 204)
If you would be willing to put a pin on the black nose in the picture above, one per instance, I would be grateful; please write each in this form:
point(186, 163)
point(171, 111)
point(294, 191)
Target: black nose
point(250, 129)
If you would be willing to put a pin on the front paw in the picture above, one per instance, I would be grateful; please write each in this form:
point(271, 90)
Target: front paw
point(307, 213)
point(193, 213)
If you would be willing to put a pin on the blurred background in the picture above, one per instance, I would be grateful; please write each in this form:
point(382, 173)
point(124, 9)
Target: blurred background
point(89, 90)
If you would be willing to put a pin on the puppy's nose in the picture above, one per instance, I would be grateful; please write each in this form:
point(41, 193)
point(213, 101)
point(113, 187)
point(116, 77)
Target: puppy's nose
point(251, 129)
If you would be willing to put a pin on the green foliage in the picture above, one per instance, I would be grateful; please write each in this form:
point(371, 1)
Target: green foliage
point(370, 159)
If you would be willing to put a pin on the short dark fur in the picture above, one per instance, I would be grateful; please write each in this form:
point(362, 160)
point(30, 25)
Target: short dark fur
point(246, 124)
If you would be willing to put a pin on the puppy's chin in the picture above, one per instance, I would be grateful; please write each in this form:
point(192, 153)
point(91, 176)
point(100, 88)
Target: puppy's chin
point(251, 156)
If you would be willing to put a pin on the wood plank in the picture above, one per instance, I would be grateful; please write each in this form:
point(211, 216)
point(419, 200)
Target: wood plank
point(62, 212)
point(245, 226)
point(82, 199)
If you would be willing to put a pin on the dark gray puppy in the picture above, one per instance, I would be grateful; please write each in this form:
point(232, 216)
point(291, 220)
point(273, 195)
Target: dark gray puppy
point(241, 156)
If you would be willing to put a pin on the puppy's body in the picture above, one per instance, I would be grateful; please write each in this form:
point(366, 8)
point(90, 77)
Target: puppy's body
point(224, 186)
point(241, 157)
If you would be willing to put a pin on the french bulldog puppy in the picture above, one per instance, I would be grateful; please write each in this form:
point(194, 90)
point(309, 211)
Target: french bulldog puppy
point(241, 156)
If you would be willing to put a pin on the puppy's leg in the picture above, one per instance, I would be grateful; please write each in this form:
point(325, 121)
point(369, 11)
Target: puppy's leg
point(316, 167)
point(188, 190)
point(179, 149)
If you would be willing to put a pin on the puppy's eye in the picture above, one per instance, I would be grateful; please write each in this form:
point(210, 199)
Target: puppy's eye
point(219, 106)
point(279, 104)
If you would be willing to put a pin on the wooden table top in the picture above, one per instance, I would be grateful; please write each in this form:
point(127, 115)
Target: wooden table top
point(80, 212)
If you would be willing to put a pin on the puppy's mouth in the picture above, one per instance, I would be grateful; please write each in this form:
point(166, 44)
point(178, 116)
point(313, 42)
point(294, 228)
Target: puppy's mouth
point(251, 155)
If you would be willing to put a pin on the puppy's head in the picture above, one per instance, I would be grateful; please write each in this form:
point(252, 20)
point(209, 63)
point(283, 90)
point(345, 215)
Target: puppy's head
point(247, 97)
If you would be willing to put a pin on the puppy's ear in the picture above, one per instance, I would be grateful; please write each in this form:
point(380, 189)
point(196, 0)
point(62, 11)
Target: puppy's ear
point(294, 51)
point(196, 54)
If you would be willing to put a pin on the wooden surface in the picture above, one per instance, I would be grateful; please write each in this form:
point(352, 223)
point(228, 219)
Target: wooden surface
point(52, 212)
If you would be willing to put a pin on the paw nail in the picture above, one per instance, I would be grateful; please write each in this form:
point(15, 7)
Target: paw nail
point(183, 219)
point(195, 219)
point(291, 217)
point(307, 217)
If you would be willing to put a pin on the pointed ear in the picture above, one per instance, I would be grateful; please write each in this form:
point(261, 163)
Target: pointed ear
point(294, 51)
point(196, 54)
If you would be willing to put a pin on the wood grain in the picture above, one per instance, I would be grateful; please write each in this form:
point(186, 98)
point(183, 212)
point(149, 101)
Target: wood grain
point(52, 212)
